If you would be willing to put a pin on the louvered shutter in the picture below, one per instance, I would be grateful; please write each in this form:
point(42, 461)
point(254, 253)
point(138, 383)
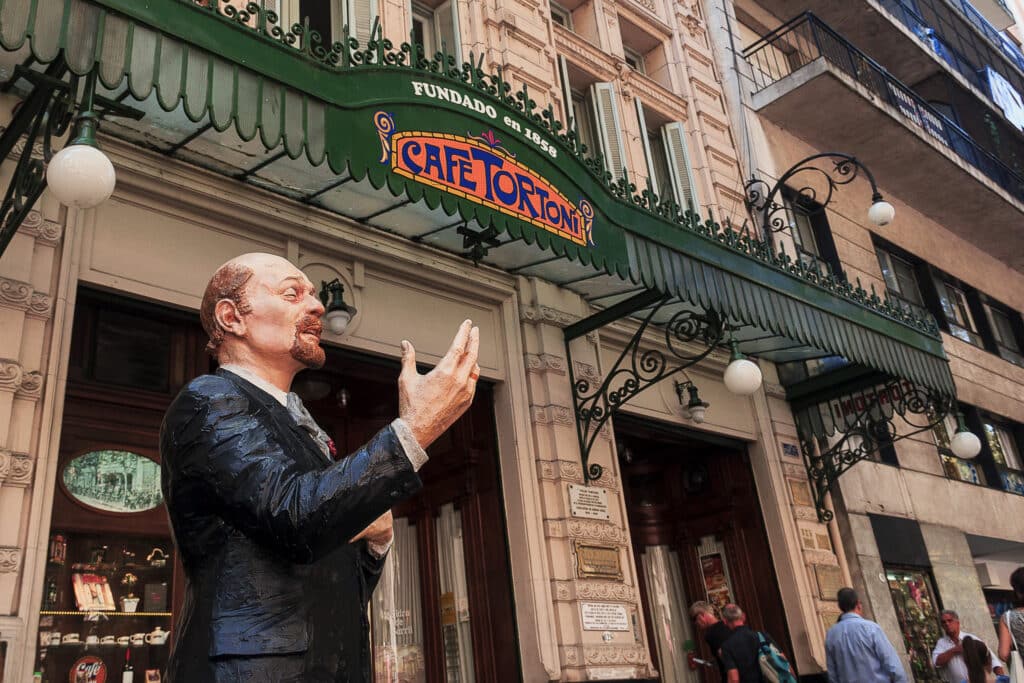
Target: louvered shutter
point(446, 27)
point(359, 15)
point(569, 117)
point(609, 127)
point(674, 137)
point(648, 158)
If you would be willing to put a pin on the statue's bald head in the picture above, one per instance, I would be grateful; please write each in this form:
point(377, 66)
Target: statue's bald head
point(229, 282)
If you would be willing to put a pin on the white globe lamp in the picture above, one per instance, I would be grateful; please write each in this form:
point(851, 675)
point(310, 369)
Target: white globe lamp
point(742, 376)
point(881, 212)
point(965, 444)
point(81, 176)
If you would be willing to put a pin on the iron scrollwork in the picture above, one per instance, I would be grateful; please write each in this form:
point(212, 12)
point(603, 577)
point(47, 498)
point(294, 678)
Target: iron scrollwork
point(870, 419)
point(771, 213)
point(636, 370)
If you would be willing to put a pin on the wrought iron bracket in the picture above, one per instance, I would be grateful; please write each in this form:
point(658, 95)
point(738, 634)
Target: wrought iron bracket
point(770, 213)
point(872, 427)
point(478, 244)
point(635, 369)
point(45, 114)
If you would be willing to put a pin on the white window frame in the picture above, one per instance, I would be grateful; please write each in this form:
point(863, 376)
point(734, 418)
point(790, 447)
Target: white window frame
point(639, 63)
point(559, 12)
point(432, 18)
point(886, 261)
point(962, 318)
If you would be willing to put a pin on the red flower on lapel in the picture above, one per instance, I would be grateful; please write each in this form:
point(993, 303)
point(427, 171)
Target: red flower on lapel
point(332, 449)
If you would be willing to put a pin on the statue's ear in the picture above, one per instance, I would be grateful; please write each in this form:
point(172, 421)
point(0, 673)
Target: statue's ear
point(229, 318)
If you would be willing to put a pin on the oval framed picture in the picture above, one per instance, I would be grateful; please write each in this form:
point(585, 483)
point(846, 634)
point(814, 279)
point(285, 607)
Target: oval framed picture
point(114, 481)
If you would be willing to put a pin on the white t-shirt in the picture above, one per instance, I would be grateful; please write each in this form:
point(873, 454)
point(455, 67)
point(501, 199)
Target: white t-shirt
point(955, 670)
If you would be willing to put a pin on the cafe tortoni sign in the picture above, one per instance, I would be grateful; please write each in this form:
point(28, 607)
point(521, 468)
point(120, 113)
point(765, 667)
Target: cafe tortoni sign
point(478, 168)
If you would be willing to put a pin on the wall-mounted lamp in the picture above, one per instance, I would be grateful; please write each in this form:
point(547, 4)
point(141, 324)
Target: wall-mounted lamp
point(694, 408)
point(742, 376)
point(965, 444)
point(81, 175)
point(337, 313)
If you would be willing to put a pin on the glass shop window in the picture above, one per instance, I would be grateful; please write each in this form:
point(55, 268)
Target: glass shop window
point(917, 610)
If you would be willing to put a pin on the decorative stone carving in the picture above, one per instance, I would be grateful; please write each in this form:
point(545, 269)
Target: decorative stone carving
point(545, 362)
point(21, 470)
point(594, 530)
point(614, 654)
point(39, 305)
point(586, 371)
point(15, 294)
point(31, 223)
point(570, 655)
point(31, 386)
point(40, 229)
point(552, 414)
point(10, 374)
point(805, 514)
point(545, 315)
point(10, 559)
point(5, 465)
point(594, 590)
point(794, 471)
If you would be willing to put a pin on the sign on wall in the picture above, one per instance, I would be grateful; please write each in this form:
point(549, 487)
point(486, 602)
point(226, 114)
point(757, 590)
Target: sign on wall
point(1007, 97)
point(590, 502)
point(604, 616)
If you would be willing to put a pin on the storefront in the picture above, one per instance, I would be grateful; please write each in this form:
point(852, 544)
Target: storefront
point(433, 193)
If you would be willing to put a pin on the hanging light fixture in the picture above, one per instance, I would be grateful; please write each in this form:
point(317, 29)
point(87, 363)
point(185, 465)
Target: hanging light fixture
point(81, 175)
point(337, 313)
point(694, 408)
point(880, 212)
point(742, 376)
point(965, 444)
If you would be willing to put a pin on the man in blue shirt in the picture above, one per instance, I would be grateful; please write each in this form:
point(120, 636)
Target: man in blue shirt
point(857, 650)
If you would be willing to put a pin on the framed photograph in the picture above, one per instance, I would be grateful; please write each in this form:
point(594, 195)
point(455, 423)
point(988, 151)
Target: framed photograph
point(92, 593)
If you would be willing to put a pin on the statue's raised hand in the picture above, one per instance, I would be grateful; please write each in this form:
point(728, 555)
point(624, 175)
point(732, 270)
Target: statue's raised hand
point(431, 403)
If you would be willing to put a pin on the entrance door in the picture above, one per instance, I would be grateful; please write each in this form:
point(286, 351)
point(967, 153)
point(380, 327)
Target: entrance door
point(697, 535)
point(443, 611)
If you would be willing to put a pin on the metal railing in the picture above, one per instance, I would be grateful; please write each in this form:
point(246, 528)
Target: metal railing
point(806, 38)
point(933, 22)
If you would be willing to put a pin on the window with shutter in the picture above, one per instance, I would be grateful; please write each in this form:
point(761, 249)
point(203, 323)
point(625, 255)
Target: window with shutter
point(436, 29)
point(674, 138)
point(359, 16)
point(609, 127)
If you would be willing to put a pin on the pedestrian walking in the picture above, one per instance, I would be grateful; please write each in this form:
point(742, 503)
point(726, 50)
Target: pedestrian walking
point(743, 652)
point(713, 629)
point(1011, 629)
point(857, 650)
point(948, 655)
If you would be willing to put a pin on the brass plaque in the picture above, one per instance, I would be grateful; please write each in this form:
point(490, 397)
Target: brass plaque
point(830, 580)
point(800, 492)
point(598, 561)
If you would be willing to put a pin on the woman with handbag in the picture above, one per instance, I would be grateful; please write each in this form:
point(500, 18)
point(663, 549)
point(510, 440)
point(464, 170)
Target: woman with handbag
point(1011, 629)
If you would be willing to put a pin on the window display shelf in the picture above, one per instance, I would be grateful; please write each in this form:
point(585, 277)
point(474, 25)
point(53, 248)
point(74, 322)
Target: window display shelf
point(71, 613)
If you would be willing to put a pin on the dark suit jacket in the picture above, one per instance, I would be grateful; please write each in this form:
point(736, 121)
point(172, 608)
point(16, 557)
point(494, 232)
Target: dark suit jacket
point(261, 520)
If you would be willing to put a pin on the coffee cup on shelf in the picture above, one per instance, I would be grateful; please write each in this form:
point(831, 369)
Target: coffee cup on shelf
point(138, 638)
point(70, 639)
point(123, 640)
point(108, 640)
point(92, 639)
point(54, 638)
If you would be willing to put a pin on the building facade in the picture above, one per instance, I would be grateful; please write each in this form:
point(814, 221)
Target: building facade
point(392, 147)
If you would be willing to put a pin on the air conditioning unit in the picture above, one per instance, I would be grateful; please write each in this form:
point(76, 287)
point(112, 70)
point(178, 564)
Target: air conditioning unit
point(993, 574)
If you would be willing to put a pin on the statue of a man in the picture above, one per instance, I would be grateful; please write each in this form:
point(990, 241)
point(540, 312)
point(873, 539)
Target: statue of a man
point(275, 537)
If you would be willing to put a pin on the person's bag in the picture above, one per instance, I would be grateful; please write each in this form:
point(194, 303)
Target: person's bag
point(774, 665)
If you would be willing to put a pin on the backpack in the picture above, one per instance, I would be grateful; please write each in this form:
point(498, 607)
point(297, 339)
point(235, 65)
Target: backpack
point(774, 665)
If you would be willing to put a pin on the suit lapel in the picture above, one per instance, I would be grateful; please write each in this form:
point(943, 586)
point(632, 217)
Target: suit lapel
point(281, 422)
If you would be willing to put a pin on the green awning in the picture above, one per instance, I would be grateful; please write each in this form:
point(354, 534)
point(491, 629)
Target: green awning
point(451, 157)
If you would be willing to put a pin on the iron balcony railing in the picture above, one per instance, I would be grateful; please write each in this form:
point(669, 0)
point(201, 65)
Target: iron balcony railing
point(806, 38)
point(934, 22)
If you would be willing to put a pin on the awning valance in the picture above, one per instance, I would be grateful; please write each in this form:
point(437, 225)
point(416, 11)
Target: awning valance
point(452, 157)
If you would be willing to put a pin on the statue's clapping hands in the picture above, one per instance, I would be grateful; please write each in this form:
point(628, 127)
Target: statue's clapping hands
point(429, 404)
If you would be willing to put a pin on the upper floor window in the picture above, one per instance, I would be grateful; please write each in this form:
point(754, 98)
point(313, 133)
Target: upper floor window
point(592, 110)
point(810, 231)
point(644, 52)
point(1006, 339)
point(957, 310)
point(634, 60)
point(436, 27)
point(900, 278)
point(329, 17)
point(1003, 443)
point(667, 157)
point(561, 16)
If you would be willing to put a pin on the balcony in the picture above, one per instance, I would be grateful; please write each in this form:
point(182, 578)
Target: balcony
point(918, 40)
point(811, 81)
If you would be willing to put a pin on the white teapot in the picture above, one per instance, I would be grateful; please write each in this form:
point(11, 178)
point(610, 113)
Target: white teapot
point(157, 636)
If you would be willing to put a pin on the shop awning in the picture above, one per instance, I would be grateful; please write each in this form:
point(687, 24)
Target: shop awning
point(451, 157)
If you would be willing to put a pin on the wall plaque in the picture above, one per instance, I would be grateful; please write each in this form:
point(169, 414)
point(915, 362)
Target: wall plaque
point(604, 616)
point(830, 580)
point(597, 561)
point(588, 501)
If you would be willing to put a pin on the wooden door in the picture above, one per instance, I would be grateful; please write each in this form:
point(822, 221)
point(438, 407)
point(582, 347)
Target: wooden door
point(699, 499)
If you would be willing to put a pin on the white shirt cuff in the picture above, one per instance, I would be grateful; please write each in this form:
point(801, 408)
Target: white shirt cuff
point(417, 456)
point(379, 550)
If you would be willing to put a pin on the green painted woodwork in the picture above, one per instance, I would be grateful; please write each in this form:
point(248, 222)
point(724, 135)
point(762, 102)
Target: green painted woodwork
point(235, 69)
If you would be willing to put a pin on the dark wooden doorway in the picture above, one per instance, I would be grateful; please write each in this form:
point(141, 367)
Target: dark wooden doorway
point(683, 488)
